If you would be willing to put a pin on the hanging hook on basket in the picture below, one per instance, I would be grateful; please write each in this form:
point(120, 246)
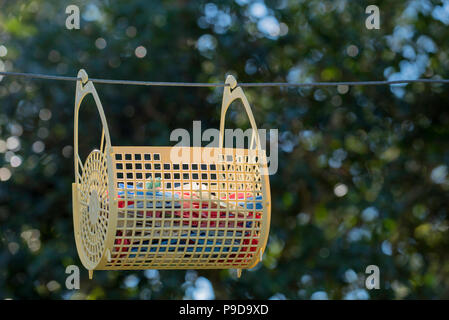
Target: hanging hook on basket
point(231, 93)
point(83, 75)
point(231, 81)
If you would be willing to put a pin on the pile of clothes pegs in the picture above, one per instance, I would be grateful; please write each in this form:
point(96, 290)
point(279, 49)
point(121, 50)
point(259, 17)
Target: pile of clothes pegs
point(197, 210)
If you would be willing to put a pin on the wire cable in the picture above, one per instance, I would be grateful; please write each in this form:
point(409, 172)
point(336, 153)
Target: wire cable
point(243, 84)
point(340, 83)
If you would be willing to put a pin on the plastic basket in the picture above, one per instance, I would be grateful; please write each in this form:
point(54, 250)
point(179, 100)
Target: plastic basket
point(137, 208)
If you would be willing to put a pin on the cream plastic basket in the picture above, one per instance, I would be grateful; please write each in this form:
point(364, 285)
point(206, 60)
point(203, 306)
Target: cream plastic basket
point(170, 207)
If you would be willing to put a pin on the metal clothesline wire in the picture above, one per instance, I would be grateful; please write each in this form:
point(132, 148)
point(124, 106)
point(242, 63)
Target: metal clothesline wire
point(242, 84)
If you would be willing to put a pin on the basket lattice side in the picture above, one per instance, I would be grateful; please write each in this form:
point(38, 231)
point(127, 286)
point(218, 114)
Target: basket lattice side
point(207, 213)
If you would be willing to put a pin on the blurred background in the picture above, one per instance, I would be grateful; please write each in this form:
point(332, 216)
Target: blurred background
point(363, 171)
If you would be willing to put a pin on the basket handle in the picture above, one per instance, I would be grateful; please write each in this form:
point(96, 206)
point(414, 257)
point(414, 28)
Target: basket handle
point(230, 93)
point(83, 88)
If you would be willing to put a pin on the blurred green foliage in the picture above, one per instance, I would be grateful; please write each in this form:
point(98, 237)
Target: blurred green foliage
point(362, 173)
